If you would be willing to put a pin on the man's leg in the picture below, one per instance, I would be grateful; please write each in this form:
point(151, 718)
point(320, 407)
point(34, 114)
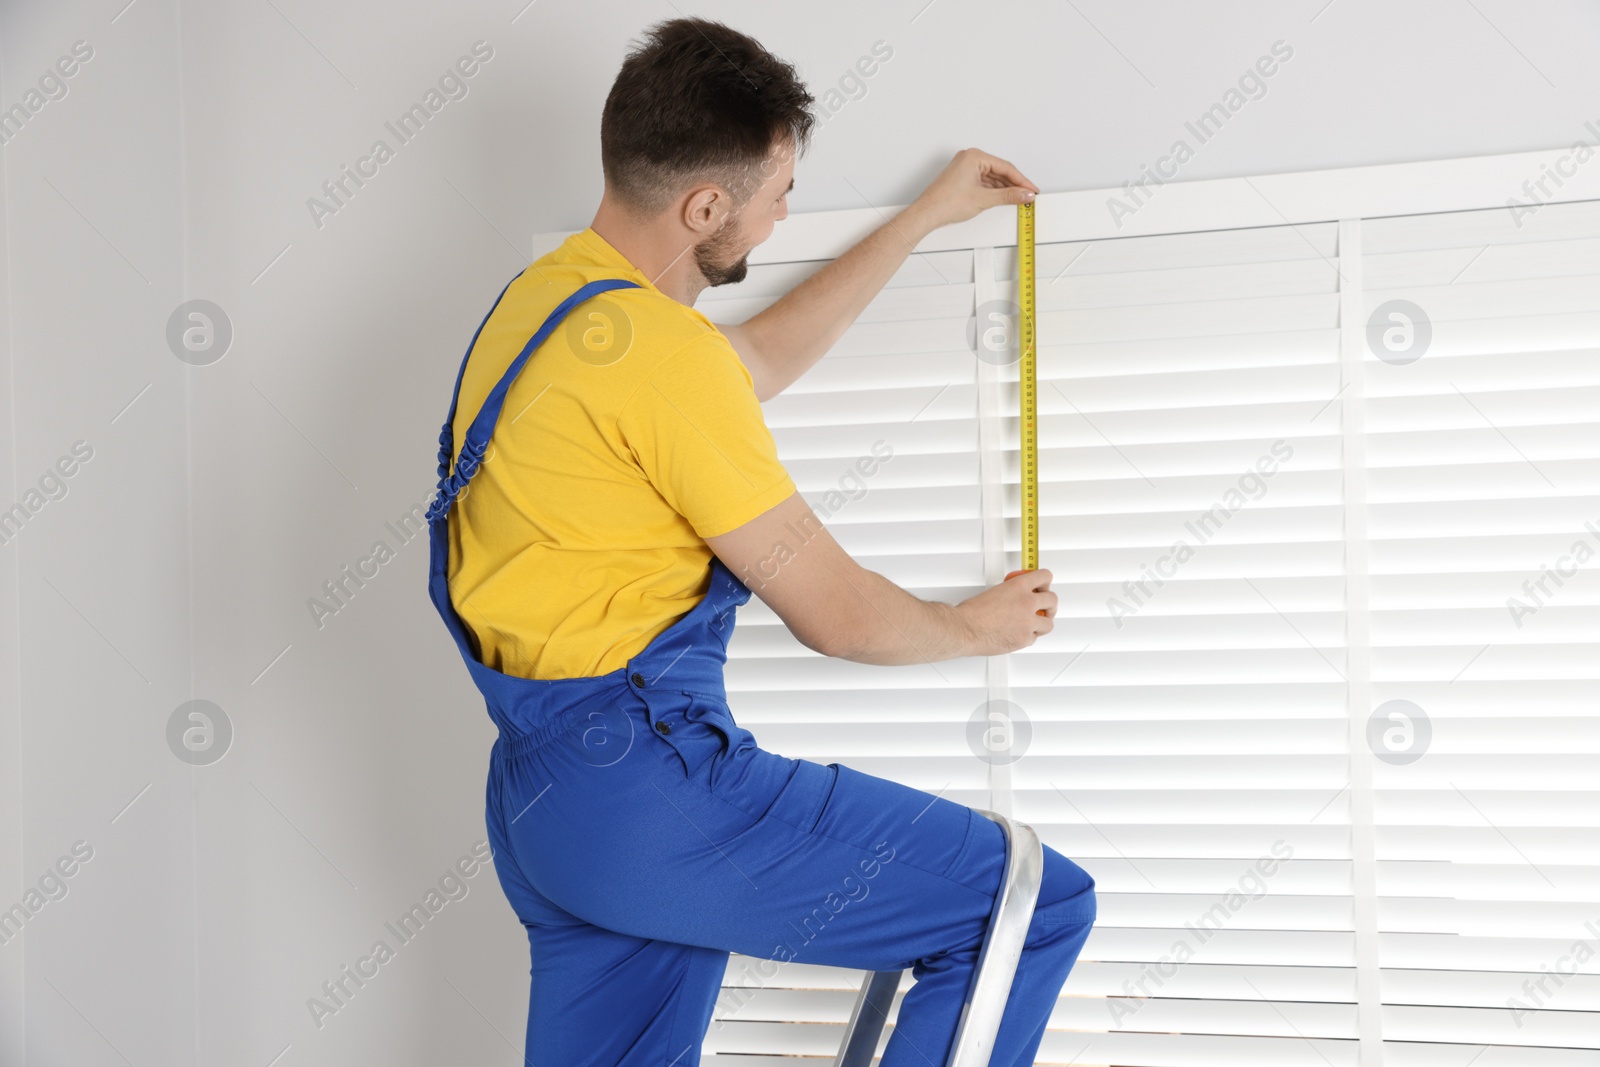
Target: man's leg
point(1061, 922)
point(599, 998)
point(699, 838)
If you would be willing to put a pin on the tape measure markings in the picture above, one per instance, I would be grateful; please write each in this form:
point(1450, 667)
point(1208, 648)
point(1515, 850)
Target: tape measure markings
point(1028, 387)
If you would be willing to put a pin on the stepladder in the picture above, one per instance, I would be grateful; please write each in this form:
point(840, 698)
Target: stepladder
point(990, 986)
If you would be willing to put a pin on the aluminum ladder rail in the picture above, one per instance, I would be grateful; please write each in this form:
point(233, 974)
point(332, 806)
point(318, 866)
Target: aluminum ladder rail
point(991, 979)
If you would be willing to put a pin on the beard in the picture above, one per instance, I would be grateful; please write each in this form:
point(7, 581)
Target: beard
point(713, 254)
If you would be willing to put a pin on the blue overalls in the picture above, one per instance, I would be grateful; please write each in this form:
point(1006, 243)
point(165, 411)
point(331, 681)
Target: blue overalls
point(641, 835)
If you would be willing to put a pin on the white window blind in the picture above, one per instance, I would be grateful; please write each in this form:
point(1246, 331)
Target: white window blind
point(1265, 526)
point(1190, 736)
point(1484, 466)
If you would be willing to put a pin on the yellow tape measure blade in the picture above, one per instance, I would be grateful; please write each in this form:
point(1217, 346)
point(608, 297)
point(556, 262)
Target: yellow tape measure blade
point(1028, 388)
point(1028, 391)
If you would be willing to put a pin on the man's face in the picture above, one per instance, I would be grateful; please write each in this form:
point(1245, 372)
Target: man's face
point(723, 258)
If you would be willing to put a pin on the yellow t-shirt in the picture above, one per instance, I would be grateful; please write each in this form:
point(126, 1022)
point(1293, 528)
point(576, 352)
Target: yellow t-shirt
point(632, 434)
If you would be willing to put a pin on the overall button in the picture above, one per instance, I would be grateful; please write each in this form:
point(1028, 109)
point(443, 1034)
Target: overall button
point(638, 679)
point(663, 728)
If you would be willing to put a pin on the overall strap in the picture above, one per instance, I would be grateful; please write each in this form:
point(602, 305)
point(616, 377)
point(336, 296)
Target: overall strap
point(477, 436)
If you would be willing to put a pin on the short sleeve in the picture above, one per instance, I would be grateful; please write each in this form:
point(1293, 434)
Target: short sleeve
point(696, 429)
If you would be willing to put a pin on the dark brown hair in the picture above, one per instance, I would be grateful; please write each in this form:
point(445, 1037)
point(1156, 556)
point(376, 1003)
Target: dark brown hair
point(697, 101)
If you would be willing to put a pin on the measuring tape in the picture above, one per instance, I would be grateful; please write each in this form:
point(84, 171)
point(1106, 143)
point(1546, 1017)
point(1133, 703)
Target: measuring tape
point(1028, 391)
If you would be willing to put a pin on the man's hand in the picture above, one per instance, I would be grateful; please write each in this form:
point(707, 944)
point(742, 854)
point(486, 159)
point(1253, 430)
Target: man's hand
point(1011, 615)
point(973, 182)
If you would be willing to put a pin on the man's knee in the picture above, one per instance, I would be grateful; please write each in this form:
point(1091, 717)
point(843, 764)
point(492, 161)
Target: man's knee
point(1066, 897)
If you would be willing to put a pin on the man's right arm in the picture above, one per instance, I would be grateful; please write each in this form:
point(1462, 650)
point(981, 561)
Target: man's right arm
point(836, 607)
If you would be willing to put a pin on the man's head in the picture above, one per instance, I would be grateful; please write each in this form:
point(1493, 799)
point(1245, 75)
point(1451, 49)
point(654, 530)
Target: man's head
point(702, 128)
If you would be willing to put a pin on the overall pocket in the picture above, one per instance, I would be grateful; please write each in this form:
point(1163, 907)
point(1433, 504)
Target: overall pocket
point(804, 796)
point(690, 732)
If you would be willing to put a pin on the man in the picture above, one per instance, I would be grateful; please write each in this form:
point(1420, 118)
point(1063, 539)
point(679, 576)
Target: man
point(639, 832)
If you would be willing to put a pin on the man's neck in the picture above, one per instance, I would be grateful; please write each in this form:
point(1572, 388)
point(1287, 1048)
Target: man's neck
point(661, 253)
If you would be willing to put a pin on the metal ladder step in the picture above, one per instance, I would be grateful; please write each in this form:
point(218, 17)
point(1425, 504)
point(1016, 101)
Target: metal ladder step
point(991, 979)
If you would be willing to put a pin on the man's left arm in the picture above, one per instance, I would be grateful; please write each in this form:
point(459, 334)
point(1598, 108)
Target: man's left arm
point(783, 341)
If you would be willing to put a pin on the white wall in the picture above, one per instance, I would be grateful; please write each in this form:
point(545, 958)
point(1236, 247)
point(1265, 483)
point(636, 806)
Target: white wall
point(1082, 95)
point(98, 580)
point(180, 564)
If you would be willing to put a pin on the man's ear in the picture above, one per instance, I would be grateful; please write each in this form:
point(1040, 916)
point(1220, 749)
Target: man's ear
point(705, 207)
